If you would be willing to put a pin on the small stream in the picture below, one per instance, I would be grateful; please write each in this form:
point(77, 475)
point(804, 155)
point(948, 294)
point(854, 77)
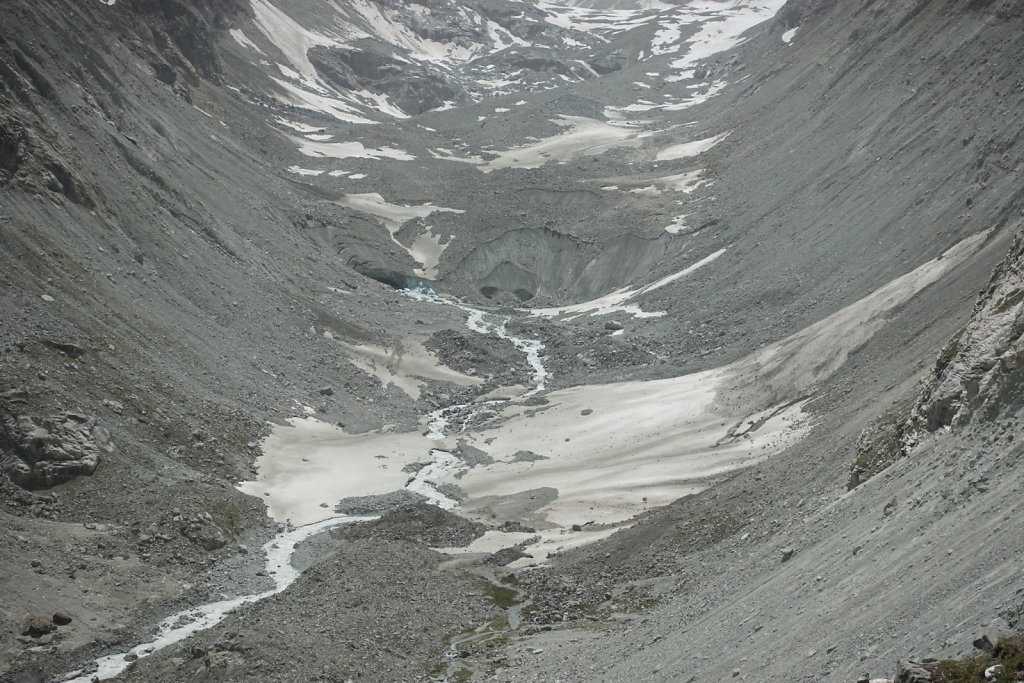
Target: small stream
point(279, 550)
point(513, 613)
point(177, 627)
point(483, 322)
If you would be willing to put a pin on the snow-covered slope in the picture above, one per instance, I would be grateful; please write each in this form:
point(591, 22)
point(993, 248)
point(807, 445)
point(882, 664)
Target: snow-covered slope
point(359, 61)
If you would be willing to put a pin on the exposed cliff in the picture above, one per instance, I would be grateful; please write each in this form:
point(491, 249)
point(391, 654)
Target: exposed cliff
point(977, 375)
point(979, 371)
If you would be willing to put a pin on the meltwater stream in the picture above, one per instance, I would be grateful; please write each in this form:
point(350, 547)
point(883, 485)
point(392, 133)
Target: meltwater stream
point(440, 421)
point(279, 549)
point(179, 626)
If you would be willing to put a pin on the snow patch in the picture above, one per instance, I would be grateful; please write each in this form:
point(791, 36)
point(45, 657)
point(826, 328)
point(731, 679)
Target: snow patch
point(616, 301)
point(427, 249)
point(681, 182)
point(241, 39)
point(584, 137)
point(725, 30)
point(407, 366)
point(304, 171)
point(348, 150)
point(689, 149)
point(677, 226)
point(393, 215)
point(300, 127)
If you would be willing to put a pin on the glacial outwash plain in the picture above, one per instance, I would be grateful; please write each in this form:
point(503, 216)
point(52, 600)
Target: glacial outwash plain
point(511, 340)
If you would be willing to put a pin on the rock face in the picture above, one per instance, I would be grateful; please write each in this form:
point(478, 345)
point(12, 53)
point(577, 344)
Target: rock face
point(531, 262)
point(977, 368)
point(505, 556)
point(35, 164)
point(40, 452)
point(413, 88)
point(978, 371)
point(184, 34)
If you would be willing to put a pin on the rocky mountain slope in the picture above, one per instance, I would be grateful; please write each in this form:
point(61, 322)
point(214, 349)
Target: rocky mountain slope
point(750, 237)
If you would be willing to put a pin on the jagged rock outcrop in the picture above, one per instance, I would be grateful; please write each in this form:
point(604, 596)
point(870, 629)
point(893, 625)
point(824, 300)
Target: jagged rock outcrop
point(443, 22)
point(413, 88)
point(978, 370)
point(41, 452)
point(480, 31)
point(183, 34)
point(980, 362)
point(449, 21)
point(26, 158)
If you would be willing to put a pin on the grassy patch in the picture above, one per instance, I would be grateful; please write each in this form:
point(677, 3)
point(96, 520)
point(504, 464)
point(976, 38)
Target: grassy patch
point(1009, 652)
point(493, 640)
point(499, 624)
point(500, 596)
point(226, 515)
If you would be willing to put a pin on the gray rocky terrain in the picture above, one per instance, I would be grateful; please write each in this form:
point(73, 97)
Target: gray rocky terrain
point(667, 341)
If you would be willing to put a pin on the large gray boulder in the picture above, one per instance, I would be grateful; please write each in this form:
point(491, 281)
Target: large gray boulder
point(42, 452)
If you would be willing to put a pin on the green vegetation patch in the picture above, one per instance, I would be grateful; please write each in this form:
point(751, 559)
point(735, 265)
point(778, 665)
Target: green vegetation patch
point(1008, 653)
point(226, 515)
point(499, 624)
point(501, 596)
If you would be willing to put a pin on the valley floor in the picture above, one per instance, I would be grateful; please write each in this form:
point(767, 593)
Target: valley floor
point(508, 341)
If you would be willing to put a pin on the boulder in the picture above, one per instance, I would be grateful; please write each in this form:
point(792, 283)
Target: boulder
point(69, 349)
point(909, 672)
point(606, 64)
point(36, 625)
point(42, 452)
point(505, 556)
point(993, 672)
point(202, 531)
